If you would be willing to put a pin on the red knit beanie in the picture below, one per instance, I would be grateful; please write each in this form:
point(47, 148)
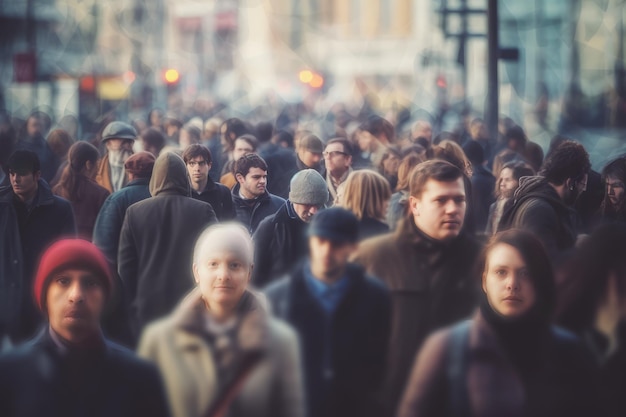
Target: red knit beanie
point(70, 253)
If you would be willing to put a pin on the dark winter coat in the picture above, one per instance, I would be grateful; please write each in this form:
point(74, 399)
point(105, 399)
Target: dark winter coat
point(219, 197)
point(37, 380)
point(369, 227)
point(251, 215)
point(280, 242)
point(155, 254)
point(49, 219)
point(281, 166)
point(431, 286)
point(483, 185)
point(539, 209)
point(106, 233)
point(344, 354)
point(561, 385)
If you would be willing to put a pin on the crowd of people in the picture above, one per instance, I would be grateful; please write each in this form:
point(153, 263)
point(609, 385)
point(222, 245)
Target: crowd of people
point(227, 268)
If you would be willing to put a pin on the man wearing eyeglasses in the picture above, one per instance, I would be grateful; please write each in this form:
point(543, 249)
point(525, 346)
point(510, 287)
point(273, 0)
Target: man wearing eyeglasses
point(198, 160)
point(338, 161)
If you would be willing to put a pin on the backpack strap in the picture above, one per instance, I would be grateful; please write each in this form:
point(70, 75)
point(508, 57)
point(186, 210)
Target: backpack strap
point(456, 373)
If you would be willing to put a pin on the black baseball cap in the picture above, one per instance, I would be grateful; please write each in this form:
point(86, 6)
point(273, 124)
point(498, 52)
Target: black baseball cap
point(335, 224)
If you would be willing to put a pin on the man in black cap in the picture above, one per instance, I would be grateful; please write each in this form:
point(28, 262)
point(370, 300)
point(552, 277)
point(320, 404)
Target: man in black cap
point(118, 138)
point(31, 218)
point(342, 317)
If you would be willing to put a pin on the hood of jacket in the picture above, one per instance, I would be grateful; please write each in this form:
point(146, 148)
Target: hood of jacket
point(537, 186)
point(169, 176)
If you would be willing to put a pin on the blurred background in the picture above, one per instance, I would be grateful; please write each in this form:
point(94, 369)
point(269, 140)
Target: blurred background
point(561, 63)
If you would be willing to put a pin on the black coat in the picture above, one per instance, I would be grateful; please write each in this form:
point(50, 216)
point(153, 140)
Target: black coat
point(344, 355)
point(37, 380)
point(219, 197)
point(251, 215)
point(280, 242)
point(49, 219)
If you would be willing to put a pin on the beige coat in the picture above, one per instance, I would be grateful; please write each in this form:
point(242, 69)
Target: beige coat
point(273, 389)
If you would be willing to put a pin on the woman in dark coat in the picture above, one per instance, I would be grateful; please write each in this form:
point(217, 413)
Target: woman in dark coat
point(78, 185)
point(592, 304)
point(508, 360)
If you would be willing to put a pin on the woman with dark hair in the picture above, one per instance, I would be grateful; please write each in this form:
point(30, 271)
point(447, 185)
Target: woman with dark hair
point(592, 304)
point(508, 360)
point(78, 185)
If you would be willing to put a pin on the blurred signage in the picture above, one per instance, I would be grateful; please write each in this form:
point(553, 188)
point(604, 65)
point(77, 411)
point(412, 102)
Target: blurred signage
point(24, 67)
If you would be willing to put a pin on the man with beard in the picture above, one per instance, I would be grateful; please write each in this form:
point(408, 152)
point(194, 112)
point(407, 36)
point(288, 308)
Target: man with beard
point(613, 207)
point(543, 204)
point(118, 138)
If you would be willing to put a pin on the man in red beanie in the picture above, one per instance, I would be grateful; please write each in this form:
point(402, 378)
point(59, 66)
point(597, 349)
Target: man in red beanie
point(70, 369)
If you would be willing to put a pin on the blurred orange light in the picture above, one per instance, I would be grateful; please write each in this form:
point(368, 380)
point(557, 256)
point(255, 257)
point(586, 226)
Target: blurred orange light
point(87, 84)
point(128, 77)
point(317, 81)
point(171, 76)
point(306, 76)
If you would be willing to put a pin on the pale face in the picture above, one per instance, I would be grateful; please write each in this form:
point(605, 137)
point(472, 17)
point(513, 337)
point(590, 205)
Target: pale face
point(114, 144)
point(254, 183)
point(222, 274)
point(440, 210)
point(198, 170)
point(34, 126)
point(328, 258)
point(365, 140)
point(615, 190)
point(75, 301)
point(306, 211)
point(241, 148)
point(337, 161)
point(24, 184)
point(507, 183)
point(507, 282)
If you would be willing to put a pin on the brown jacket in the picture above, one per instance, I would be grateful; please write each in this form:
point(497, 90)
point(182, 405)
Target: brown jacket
point(178, 345)
point(562, 385)
point(103, 176)
point(430, 285)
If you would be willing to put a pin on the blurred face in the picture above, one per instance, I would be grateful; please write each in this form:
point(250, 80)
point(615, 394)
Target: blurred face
point(24, 184)
point(306, 211)
point(222, 275)
point(198, 170)
point(365, 140)
point(615, 190)
point(309, 158)
point(184, 139)
point(507, 282)
point(337, 161)
point(507, 183)
point(440, 210)
point(253, 184)
point(241, 148)
point(424, 130)
point(478, 131)
point(328, 258)
point(75, 301)
point(391, 164)
point(34, 126)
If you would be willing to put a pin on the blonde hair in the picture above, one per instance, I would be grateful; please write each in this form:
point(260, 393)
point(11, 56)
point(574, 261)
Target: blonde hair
point(366, 193)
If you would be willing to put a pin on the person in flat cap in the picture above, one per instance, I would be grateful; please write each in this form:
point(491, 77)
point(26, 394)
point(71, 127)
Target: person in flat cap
point(106, 233)
point(343, 366)
point(31, 218)
point(70, 368)
point(309, 153)
point(280, 239)
point(118, 139)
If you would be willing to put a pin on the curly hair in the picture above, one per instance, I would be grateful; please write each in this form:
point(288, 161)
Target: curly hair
point(569, 160)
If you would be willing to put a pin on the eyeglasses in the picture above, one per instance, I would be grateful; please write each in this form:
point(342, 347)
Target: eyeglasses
point(332, 154)
point(199, 163)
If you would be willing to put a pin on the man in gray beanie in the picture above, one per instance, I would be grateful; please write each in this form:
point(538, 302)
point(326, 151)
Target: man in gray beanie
point(280, 240)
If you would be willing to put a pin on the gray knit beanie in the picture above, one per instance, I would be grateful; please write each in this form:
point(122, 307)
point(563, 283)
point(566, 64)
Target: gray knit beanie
point(308, 187)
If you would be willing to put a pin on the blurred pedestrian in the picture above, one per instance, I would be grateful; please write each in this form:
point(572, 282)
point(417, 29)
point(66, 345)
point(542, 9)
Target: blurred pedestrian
point(70, 369)
point(280, 240)
point(366, 193)
point(199, 160)
point(251, 200)
point(244, 145)
point(220, 352)
point(483, 184)
point(508, 182)
point(156, 242)
point(78, 185)
point(508, 360)
point(37, 126)
point(399, 201)
point(342, 317)
point(309, 153)
point(338, 163)
point(118, 138)
point(32, 218)
point(613, 206)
